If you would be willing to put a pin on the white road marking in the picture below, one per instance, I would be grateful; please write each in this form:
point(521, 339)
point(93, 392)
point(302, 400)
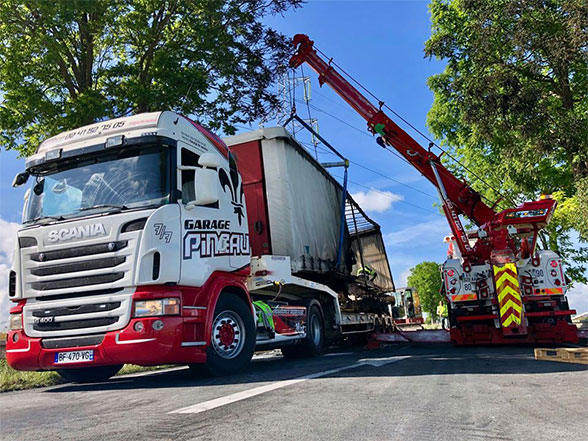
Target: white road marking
point(238, 396)
point(378, 362)
point(267, 356)
point(153, 372)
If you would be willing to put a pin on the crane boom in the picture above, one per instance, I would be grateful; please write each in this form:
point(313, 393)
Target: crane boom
point(496, 229)
point(464, 199)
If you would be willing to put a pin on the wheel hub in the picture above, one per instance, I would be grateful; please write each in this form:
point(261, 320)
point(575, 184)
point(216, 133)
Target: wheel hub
point(228, 334)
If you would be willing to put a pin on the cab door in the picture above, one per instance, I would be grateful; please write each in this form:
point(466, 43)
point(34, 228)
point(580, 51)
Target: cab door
point(203, 235)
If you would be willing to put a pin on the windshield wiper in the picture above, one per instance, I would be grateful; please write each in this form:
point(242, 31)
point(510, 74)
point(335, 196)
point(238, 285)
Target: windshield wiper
point(57, 218)
point(117, 207)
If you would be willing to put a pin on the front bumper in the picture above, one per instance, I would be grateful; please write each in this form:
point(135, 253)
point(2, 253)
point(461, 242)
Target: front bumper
point(145, 347)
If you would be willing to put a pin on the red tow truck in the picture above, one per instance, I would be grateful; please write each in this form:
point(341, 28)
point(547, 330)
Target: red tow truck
point(500, 287)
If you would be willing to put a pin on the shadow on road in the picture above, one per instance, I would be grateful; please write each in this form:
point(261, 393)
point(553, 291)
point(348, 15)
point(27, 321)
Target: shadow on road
point(423, 359)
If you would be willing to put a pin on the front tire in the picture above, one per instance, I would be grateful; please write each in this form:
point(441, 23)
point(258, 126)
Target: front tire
point(314, 343)
point(90, 374)
point(232, 339)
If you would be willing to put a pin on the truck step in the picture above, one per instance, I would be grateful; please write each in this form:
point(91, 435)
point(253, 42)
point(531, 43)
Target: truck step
point(564, 355)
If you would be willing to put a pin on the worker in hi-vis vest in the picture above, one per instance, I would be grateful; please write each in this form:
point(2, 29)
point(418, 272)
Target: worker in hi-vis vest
point(442, 313)
point(367, 272)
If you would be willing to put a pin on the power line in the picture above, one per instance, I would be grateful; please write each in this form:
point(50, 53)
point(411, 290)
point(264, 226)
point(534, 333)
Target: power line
point(323, 150)
point(387, 195)
point(393, 180)
point(331, 62)
point(379, 174)
point(399, 156)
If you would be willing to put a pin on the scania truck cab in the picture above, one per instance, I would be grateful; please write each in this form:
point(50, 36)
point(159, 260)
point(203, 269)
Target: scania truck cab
point(135, 248)
point(125, 239)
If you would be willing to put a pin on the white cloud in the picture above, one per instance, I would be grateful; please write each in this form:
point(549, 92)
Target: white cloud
point(7, 243)
point(375, 200)
point(402, 280)
point(424, 232)
point(578, 297)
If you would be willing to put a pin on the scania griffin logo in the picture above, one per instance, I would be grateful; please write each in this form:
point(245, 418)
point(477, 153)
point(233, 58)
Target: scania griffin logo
point(78, 232)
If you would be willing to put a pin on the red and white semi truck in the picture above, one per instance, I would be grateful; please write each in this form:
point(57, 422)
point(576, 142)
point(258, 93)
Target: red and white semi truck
point(137, 242)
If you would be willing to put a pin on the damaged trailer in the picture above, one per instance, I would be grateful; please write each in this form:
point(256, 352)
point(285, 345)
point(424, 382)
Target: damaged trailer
point(294, 210)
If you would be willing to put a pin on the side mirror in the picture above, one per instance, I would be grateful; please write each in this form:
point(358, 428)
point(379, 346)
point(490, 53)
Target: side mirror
point(205, 187)
point(209, 160)
point(20, 179)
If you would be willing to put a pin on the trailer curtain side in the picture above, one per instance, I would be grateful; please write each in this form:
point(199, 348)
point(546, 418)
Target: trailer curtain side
point(294, 207)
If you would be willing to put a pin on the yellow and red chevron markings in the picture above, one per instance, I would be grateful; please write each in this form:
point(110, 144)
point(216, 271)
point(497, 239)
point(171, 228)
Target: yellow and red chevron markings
point(549, 291)
point(463, 297)
point(508, 294)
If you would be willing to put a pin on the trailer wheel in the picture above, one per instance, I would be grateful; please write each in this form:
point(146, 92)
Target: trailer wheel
point(314, 343)
point(90, 374)
point(232, 339)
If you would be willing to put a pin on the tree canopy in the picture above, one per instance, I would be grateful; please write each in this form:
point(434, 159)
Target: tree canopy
point(512, 104)
point(426, 278)
point(68, 63)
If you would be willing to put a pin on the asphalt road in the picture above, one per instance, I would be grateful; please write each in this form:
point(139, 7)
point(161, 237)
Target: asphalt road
point(404, 392)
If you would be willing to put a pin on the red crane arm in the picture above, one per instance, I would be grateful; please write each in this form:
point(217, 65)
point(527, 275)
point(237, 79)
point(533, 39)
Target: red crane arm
point(460, 197)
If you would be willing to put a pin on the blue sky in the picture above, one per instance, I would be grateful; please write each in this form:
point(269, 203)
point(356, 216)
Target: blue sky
point(381, 44)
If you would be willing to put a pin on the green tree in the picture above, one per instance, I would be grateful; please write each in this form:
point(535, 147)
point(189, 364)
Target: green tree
point(512, 104)
point(68, 63)
point(426, 278)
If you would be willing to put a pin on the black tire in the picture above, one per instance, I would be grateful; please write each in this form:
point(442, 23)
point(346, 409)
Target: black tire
point(89, 374)
point(315, 342)
point(231, 313)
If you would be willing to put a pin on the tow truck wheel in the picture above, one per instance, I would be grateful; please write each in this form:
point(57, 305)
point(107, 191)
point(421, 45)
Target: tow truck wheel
point(90, 374)
point(314, 343)
point(232, 339)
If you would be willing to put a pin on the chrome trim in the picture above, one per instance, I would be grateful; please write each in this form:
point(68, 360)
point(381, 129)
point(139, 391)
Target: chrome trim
point(194, 307)
point(193, 343)
point(128, 342)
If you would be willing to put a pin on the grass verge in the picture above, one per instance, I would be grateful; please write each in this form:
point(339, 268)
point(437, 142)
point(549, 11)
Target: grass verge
point(19, 380)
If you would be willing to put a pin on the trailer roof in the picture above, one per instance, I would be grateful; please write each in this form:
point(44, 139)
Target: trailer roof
point(255, 135)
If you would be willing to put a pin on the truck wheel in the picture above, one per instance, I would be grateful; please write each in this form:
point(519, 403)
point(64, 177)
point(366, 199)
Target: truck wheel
point(232, 339)
point(314, 343)
point(90, 374)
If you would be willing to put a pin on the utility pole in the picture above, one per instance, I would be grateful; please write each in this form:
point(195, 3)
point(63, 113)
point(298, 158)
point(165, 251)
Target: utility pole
point(287, 86)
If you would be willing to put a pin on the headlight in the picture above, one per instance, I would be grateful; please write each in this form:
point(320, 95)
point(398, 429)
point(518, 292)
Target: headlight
point(150, 308)
point(15, 322)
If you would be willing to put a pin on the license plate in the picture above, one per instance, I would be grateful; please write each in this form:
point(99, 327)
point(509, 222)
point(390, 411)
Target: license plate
point(74, 357)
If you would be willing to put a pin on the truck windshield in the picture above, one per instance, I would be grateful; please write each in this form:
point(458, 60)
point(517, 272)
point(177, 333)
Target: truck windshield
point(114, 180)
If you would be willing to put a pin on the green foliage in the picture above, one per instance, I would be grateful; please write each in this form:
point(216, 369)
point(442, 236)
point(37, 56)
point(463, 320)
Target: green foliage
point(582, 198)
point(68, 63)
point(512, 104)
point(17, 380)
point(426, 278)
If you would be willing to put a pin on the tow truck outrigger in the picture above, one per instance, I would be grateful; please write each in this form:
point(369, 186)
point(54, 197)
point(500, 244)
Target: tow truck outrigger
point(500, 288)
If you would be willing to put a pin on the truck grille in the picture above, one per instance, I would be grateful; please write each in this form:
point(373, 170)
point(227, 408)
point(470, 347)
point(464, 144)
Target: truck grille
point(69, 317)
point(77, 281)
point(94, 266)
point(75, 267)
point(72, 310)
point(72, 342)
point(74, 324)
point(86, 250)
